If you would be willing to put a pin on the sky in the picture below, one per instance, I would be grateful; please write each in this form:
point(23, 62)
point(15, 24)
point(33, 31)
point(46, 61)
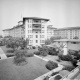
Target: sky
point(62, 13)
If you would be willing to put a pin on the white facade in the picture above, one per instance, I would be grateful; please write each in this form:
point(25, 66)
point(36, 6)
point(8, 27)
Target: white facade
point(35, 29)
point(6, 32)
point(68, 33)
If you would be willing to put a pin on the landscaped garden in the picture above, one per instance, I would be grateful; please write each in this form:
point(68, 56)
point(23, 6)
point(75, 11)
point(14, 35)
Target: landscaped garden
point(34, 68)
point(25, 65)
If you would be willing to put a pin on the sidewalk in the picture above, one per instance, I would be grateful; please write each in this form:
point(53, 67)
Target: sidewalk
point(2, 54)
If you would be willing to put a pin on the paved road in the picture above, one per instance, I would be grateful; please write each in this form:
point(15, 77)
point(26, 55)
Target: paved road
point(2, 54)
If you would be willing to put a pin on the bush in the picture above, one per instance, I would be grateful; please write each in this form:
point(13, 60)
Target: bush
point(74, 62)
point(71, 52)
point(29, 54)
point(58, 77)
point(33, 47)
point(37, 53)
point(52, 51)
point(69, 68)
point(20, 56)
point(10, 55)
point(43, 51)
point(65, 57)
point(46, 78)
point(51, 65)
point(54, 73)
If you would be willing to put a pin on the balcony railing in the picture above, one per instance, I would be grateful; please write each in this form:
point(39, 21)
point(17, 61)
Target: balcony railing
point(36, 25)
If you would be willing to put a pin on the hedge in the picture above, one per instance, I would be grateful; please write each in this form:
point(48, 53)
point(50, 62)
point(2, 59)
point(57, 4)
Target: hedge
point(51, 65)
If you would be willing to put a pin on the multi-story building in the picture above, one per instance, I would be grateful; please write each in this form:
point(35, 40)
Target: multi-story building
point(68, 33)
point(16, 31)
point(34, 28)
point(6, 32)
point(50, 31)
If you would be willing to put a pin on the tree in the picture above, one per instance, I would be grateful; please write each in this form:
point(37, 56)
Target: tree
point(47, 42)
point(15, 43)
point(75, 37)
point(23, 43)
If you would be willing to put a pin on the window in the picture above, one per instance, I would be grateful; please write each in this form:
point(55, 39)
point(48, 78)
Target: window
point(42, 36)
point(36, 41)
point(28, 36)
point(36, 36)
point(28, 31)
point(42, 41)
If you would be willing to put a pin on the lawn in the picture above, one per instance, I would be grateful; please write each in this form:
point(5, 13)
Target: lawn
point(33, 69)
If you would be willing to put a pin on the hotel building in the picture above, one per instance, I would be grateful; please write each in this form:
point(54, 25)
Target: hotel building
point(68, 33)
point(37, 30)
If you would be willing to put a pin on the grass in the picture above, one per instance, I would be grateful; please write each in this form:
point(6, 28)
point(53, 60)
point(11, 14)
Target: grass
point(33, 69)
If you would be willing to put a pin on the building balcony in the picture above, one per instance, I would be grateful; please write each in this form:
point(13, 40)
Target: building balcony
point(36, 22)
point(36, 25)
point(37, 29)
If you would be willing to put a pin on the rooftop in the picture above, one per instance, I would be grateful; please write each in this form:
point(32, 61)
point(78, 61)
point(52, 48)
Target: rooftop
point(67, 28)
point(35, 18)
point(6, 29)
point(51, 27)
point(69, 40)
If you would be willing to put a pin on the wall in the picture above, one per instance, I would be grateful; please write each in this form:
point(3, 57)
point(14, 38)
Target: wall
point(74, 46)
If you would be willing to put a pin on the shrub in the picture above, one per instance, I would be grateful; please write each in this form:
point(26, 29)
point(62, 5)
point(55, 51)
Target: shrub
point(37, 53)
point(54, 73)
point(69, 68)
point(51, 65)
point(58, 77)
point(52, 51)
point(46, 78)
point(20, 56)
point(33, 47)
point(65, 57)
point(29, 54)
point(43, 51)
point(74, 62)
point(71, 52)
point(10, 55)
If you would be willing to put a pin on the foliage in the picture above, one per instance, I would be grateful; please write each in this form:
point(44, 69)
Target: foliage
point(10, 55)
point(69, 68)
point(52, 51)
point(37, 53)
point(43, 51)
point(15, 43)
point(29, 54)
point(51, 65)
point(20, 56)
point(58, 77)
point(46, 78)
point(33, 47)
point(47, 42)
point(54, 73)
point(76, 37)
point(23, 43)
point(74, 62)
point(75, 54)
point(65, 57)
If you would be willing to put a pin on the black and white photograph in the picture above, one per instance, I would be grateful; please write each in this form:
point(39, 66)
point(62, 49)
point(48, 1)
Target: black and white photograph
point(39, 39)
